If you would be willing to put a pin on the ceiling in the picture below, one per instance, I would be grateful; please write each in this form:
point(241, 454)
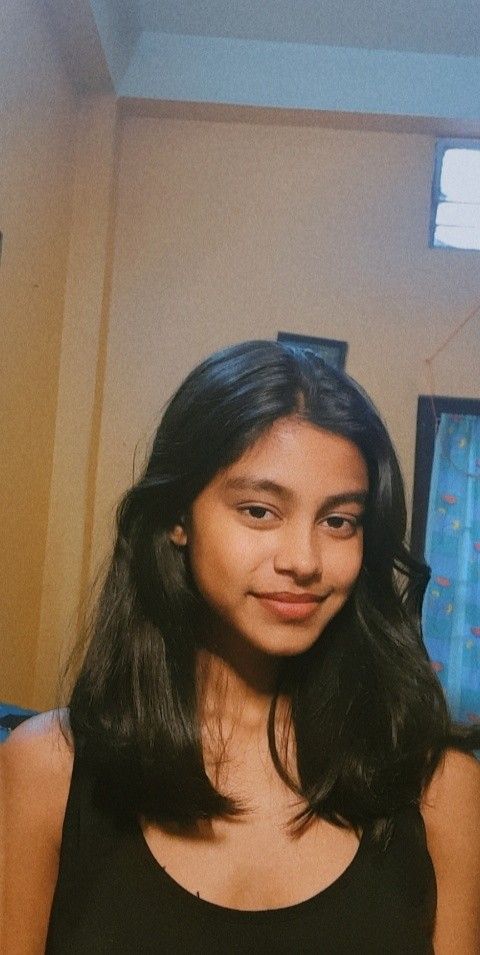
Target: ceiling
point(424, 26)
point(404, 58)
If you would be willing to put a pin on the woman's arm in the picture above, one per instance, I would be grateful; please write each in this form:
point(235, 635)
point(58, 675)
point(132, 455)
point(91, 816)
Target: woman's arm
point(35, 766)
point(451, 812)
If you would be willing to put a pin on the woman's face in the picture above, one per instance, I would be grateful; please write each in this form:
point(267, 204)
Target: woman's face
point(275, 540)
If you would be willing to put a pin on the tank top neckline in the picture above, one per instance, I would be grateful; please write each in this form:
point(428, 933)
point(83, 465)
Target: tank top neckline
point(296, 909)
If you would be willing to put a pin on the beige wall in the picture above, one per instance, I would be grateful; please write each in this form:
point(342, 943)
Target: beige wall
point(57, 185)
point(80, 390)
point(35, 145)
point(230, 231)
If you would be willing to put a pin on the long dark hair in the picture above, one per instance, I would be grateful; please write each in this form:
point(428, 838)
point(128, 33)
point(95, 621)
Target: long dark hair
point(368, 715)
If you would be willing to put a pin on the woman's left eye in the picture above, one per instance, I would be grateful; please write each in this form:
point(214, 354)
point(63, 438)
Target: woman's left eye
point(344, 526)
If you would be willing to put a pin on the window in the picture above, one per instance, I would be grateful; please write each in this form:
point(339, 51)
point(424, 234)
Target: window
point(455, 219)
point(446, 534)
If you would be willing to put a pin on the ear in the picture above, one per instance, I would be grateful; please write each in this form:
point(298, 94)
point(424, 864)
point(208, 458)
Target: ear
point(178, 535)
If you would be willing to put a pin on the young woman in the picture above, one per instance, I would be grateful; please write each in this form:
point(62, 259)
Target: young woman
point(256, 756)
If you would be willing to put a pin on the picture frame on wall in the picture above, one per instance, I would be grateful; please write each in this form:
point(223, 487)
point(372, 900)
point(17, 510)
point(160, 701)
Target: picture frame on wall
point(332, 351)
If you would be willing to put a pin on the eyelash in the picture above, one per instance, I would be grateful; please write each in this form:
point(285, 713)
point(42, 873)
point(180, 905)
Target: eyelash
point(256, 507)
point(351, 524)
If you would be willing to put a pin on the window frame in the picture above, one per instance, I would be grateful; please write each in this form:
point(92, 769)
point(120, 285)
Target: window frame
point(441, 147)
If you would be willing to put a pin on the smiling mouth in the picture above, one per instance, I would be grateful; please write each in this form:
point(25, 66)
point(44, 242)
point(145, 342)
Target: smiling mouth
point(291, 598)
point(289, 606)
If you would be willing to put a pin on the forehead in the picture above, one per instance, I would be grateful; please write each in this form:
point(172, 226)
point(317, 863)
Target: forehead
point(293, 449)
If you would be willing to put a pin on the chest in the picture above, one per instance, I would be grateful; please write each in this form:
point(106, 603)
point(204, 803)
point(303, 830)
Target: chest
point(254, 863)
point(112, 887)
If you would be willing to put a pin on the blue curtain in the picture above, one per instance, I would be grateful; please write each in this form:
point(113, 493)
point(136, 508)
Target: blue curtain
point(451, 609)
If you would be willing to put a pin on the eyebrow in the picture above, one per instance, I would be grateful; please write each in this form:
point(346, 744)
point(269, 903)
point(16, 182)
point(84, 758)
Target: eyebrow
point(271, 487)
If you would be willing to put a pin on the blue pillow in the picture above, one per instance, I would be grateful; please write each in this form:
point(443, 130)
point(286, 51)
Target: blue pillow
point(11, 716)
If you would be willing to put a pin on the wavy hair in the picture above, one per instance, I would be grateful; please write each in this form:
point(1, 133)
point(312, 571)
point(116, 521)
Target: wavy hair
point(367, 712)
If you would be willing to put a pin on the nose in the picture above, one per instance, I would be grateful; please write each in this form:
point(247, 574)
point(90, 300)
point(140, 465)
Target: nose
point(298, 553)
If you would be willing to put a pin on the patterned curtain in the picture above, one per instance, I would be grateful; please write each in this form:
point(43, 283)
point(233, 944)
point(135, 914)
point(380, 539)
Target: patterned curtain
point(451, 609)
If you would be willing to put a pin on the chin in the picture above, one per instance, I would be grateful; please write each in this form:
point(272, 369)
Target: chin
point(290, 646)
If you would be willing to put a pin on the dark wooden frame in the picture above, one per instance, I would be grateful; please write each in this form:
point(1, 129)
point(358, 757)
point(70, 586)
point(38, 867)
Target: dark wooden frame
point(428, 415)
point(334, 352)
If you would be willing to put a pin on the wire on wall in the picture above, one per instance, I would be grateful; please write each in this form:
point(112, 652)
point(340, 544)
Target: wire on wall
point(431, 358)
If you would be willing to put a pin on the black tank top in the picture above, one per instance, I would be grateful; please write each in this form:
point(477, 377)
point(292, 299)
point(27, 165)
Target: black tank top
point(113, 898)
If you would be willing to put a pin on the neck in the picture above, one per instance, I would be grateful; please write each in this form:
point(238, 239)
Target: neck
point(236, 694)
point(234, 710)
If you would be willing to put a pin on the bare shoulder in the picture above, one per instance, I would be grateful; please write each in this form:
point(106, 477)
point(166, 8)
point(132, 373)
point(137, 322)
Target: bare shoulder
point(37, 758)
point(35, 771)
point(48, 728)
point(39, 731)
point(451, 812)
point(455, 787)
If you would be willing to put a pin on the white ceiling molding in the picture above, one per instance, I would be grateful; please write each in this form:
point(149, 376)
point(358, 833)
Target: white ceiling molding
point(299, 76)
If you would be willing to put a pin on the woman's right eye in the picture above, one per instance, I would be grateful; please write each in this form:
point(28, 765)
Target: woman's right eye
point(257, 512)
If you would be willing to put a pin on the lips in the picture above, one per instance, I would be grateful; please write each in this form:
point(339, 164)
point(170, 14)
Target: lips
point(291, 598)
point(289, 606)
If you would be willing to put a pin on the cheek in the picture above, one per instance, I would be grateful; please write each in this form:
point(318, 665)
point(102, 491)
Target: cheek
point(347, 564)
point(357, 563)
point(214, 565)
point(201, 559)
point(230, 552)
